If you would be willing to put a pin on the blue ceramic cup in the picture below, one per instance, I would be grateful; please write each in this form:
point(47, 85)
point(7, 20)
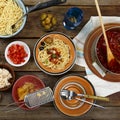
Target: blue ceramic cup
point(73, 18)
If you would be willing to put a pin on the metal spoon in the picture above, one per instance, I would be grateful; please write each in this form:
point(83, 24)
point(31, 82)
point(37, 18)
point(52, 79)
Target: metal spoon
point(66, 94)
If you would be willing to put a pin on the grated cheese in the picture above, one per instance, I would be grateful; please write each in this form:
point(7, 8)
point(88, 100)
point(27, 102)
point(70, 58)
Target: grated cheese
point(5, 75)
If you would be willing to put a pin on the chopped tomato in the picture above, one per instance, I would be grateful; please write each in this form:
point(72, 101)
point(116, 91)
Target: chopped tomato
point(54, 55)
point(17, 53)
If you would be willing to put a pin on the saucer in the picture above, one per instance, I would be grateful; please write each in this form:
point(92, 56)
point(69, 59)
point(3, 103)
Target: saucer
point(79, 85)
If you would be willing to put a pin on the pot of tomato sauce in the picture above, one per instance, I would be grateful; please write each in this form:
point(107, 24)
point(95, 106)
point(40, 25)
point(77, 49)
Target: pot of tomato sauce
point(113, 36)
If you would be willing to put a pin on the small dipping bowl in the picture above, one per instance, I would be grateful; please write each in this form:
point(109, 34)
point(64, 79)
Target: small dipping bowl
point(26, 49)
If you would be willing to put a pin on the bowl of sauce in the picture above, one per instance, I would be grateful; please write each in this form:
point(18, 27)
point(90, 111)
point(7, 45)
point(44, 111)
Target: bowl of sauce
point(113, 35)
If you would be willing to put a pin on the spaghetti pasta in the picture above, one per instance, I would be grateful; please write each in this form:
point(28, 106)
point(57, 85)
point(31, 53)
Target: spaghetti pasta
point(10, 12)
point(55, 55)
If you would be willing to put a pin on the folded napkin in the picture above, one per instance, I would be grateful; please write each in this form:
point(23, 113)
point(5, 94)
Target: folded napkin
point(102, 87)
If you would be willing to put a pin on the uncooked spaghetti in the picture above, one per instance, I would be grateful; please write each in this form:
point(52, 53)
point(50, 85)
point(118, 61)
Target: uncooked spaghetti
point(10, 12)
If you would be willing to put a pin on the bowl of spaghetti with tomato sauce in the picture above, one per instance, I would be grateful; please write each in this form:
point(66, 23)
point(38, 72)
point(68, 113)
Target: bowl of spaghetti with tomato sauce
point(54, 53)
point(17, 53)
point(113, 36)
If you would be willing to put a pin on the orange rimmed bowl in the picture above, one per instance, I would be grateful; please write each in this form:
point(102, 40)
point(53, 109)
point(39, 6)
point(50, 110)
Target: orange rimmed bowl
point(79, 85)
point(66, 41)
point(95, 52)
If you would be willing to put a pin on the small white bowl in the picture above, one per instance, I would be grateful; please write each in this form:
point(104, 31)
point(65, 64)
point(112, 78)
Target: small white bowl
point(26, 48)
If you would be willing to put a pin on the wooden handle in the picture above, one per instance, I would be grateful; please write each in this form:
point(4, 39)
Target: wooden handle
point(101, 21)
point(109, 52)
point(97, 97)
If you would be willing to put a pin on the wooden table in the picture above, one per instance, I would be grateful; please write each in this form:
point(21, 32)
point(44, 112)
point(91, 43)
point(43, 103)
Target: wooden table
point(30, 34)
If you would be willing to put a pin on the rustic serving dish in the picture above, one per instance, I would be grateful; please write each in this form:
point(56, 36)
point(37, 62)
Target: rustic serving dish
point(91, 56)
point(72, 53)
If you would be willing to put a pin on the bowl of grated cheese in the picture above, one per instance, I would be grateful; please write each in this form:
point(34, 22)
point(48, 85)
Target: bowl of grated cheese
point(7, 77)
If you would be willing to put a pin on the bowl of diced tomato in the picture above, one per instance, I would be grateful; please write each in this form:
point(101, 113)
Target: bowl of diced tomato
point(17, 53)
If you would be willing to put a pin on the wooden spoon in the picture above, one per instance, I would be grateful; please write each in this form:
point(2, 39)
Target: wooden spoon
point(110, 56)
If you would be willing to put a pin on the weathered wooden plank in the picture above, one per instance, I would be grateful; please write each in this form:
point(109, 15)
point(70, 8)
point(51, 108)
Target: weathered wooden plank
point(50, 113)
point(78, 2)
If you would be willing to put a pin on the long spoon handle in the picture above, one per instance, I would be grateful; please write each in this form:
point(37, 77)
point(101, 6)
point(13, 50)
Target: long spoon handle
point(90, 103)
point(101, 21)
point(109, 52)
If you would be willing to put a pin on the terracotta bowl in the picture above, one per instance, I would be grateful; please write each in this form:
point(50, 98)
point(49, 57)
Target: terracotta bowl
point(37, 82)
point(91, 56)
point(72, 52)
point(73, 107)
point(11, 80)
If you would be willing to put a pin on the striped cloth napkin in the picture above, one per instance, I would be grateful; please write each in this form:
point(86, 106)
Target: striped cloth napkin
point(102, 87)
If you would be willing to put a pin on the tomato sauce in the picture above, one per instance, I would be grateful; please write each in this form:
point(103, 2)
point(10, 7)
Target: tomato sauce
point(54, 55)
point(113, 36)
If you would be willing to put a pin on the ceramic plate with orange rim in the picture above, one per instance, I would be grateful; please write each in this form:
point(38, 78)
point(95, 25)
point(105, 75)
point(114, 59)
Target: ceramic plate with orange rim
point(79, 85)
point(55, 53)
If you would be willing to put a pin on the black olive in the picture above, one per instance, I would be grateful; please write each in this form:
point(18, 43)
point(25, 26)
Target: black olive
point(42, 43)
point(41, 48)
